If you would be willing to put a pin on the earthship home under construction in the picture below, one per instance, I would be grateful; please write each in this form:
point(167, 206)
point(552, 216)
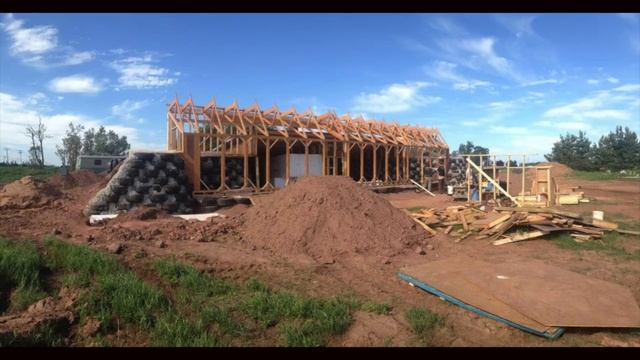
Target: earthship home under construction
point(229, 149)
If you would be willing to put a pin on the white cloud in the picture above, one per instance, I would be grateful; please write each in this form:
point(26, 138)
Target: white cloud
point(140, 73)
point(394, 98)
point(29, 41)
point(518, 25)
point(127, 110)
point(470, 123)
point(74, 84)
point(593, 82)
point(541, 82)
point(483, 48)
point(508, 130)
point(443, 70)
point(613, 80)
point(77, 58)
point(596, 109)
point(16, 113)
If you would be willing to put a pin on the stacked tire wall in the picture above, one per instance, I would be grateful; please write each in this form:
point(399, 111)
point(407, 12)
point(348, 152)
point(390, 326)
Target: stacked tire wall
point(146, 180)
point(234, 170)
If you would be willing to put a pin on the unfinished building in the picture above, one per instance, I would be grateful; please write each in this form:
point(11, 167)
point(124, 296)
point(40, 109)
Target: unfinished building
point(229, 149)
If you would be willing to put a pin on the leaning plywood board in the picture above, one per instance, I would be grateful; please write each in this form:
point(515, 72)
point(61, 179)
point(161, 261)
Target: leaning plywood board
point(545, 294)
point(451, 285)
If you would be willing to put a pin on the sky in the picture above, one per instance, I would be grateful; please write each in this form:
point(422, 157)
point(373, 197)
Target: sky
point(509, 82)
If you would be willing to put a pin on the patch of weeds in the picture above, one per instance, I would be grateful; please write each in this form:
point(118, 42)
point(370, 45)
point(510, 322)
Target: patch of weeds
point(609, 244)
point(80, 259)
point(415, 209)
point(47, 335)
point(254, 284)
point(423, 321)
point(191, 279)
point(125, 297)
point(24, 296)
point(174, 330)
point(596, 175)
point(376, 308)
point(20, 264)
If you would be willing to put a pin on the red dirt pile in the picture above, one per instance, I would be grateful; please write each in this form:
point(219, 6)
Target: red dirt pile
point(141, 214)
point(28, 192)
point(73, 179)
point(325, 217)
point(557, 170)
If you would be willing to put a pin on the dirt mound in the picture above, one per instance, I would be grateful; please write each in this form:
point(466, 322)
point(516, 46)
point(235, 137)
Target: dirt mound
point(325, 217)
point(28, 192)
point(141, 214)
point(73, 179)
point(557, 170)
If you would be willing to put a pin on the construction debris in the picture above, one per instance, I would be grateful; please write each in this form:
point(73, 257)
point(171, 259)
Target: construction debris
point(496, 225)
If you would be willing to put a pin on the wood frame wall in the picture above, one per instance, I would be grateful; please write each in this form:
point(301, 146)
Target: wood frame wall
point(198, 131)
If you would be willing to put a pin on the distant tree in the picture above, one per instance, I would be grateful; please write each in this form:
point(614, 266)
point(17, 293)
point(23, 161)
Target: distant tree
point(470, 148)
point(71, 146)
point(573, 151)
point(37, 135)
point(618, 150)
point(102, 142)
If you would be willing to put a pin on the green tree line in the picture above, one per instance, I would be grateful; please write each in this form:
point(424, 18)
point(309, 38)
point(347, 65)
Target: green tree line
point(618, 150)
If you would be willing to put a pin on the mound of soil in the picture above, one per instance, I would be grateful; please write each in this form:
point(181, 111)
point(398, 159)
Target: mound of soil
point(141, 214)
point(557, 170)
point(28, 192)
point(325, 217)
point(73, 179)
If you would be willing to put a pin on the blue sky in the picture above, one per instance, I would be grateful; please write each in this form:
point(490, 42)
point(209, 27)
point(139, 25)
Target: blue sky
point(510, 82)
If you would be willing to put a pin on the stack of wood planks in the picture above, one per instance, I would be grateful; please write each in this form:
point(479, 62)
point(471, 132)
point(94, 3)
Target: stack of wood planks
point(504, 225)
point(570, 196)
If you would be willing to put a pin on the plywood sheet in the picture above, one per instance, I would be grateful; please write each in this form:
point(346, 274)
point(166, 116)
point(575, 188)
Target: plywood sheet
point(531, 292)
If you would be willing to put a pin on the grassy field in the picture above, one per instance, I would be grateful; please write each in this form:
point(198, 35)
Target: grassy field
point(167, 302)
point(600, 175)
point(10, 173)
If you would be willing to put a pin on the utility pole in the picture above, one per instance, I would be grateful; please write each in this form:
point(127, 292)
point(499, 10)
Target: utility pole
point(6, 156)
point(20, 153)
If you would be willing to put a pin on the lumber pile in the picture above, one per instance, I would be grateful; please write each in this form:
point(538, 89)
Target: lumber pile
point(570, 196)
point(505, 225)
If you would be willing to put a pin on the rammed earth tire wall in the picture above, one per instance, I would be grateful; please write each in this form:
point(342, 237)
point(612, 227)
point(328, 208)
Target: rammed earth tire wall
point(154, 180)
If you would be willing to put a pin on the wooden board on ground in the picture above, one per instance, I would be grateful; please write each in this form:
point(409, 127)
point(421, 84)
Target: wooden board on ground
point(520, 237)
point(532, 292)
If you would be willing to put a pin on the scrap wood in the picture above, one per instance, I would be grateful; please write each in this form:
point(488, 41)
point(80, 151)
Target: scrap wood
point(604, 224)
point(448, 229)
point(425, 226)
point(537, 210)
point(465, 226)
point(629, 232)
point(498, 221)
point(462, 237)
point(520, 237)
point(422, 187)
point(581, 237)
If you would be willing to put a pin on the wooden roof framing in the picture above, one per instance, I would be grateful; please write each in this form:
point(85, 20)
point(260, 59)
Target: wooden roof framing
point(305, 125)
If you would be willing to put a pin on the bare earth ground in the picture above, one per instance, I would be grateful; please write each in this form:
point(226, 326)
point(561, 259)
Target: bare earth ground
point(225, 254)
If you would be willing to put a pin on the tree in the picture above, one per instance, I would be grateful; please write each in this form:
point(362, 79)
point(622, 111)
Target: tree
point(573, 151)
point(71, 146)
point(470, 148)
point(37, 134)
point(618, 150)
point(102, 142)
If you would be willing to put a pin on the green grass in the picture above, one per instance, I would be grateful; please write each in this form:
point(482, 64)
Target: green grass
point(609, 244)
point(597, 175)
point(376, 308)
point(186, 308)
point(10, 173)
point(21, 272)
point(44, 336)
point(423, 321)
point(415, 209)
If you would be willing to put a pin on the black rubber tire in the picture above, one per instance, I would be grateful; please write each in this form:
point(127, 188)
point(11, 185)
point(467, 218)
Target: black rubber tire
point(150, 170)
point(123, 204)
point(134, 197)
point(224, 202)
point(144, 156)
point(167, 157)
point(161, 178)
point(172, 186)
point(178, 162)
point(171, 170)
point(142, 187)
point(137, 163)
point(157, 197)
point(245, 201)
point(158, 163)
point(125, 180)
